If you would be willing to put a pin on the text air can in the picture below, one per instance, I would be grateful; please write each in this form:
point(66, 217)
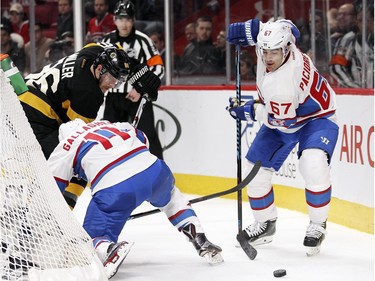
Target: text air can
point(11, 71)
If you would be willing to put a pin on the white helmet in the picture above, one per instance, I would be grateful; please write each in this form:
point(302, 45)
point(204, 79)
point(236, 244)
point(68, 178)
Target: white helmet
point(275, 35)
point(66, 129)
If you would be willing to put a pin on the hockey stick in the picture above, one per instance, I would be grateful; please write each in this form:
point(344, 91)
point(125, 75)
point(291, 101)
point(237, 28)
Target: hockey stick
point(236, 188)
point(142, 105)
point(249, 250)
point(238, 140)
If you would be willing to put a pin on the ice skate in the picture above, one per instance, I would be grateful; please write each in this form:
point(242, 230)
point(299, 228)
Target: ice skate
point(259, 233)
point(206, 249)
point(315, 235)
point(115, 256)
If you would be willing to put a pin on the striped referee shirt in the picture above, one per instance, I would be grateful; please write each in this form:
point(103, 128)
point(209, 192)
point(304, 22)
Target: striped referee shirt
point(346, 62)
point(139, 46)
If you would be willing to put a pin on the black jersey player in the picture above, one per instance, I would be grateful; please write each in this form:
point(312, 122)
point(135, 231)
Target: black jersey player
point(74, 87)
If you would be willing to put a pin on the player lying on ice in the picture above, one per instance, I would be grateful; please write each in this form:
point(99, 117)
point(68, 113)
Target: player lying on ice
point(296, 105)
point(123, 173)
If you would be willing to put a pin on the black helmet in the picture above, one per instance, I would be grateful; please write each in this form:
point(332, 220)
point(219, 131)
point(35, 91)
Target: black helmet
point(125, 9)
point(115, 61)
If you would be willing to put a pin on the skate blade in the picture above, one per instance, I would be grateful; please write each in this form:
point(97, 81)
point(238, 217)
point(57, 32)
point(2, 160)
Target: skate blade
point(112, 266)
point(262, 241)
point(312, 251)
point(215, 259)
point(237, 244)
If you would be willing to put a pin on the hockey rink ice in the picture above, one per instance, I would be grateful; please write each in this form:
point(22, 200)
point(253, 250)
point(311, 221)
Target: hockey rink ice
point(161, 253)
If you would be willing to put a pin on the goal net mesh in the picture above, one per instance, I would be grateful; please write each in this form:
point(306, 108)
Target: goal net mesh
point(38, 232)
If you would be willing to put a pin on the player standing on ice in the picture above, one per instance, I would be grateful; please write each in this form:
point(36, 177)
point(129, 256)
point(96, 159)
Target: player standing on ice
point(123, 173)
point(296, 105)
point(74, 87)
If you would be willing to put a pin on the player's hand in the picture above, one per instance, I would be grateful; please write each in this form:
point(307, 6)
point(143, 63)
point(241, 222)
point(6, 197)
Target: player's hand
point(133, 95)
point(244, 112)
point(144, 81)
point(243, 33)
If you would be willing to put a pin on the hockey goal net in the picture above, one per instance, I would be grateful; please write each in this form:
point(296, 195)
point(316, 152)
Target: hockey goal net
point(39, 235)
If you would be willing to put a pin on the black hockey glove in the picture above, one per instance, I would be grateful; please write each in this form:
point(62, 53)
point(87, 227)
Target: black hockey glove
point(144, 81)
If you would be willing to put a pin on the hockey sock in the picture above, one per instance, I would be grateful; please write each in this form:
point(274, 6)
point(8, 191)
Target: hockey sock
point(73, 191)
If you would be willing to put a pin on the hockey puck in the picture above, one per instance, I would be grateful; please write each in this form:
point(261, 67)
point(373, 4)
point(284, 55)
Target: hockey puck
point(279, 273)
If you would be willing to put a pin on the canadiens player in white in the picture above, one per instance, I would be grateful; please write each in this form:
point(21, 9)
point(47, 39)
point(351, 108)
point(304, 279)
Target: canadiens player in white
point(123, 174)
point(296, 105)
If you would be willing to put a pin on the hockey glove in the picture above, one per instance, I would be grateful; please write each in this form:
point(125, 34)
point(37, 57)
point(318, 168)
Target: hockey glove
point(144, 81)
point(243, 33)
point(245, 112)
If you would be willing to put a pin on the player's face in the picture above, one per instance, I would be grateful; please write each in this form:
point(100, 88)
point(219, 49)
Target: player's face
point(272, 58)
point(107, 81)
point(124, 25)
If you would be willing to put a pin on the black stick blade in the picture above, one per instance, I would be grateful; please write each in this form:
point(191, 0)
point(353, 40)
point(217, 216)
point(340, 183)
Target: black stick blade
point(249, 250)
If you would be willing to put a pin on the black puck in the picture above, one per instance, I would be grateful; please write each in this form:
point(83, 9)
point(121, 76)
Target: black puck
point(279, 273)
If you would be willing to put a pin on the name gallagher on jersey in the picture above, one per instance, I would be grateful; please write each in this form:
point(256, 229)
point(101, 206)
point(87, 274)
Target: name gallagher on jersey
point(69, 142)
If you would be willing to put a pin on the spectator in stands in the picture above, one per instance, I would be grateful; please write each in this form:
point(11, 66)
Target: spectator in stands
point(101, 24)
point(42, 45)
point(220, 46)
point(190, 32)
point(247, 67)
point(159, 43)
point(121, 104)
point(346, 22)
point(19, 24)
point(8, 46)
point(346, 63)
point(65, 18)
point(332, 20)
point(190, 35)
point(305, 39)
point(199, 56)
point(61, 48)
point(321, 43)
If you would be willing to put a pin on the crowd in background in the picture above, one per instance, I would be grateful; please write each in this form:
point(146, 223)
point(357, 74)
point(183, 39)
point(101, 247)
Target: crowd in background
point(339, 59)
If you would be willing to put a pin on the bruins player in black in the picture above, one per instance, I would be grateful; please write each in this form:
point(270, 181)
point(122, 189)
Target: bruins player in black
point(74, 87)
point(121, 104)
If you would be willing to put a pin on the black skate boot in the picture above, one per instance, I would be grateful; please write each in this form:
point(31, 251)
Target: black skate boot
point(259, 233)
point(205, 248)
point(315, 235)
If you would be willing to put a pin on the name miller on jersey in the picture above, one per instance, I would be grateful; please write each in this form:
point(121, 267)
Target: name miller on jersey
point(68, 66)
point(69, 142)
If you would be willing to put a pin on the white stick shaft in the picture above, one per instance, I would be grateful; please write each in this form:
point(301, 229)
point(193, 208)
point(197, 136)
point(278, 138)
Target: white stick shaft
point(141, 106)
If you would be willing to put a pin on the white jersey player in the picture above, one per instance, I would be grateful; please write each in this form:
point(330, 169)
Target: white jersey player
point(123, 174)
point(296, 105)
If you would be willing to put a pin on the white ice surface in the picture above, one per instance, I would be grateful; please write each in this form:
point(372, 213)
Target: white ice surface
point(161, 253)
